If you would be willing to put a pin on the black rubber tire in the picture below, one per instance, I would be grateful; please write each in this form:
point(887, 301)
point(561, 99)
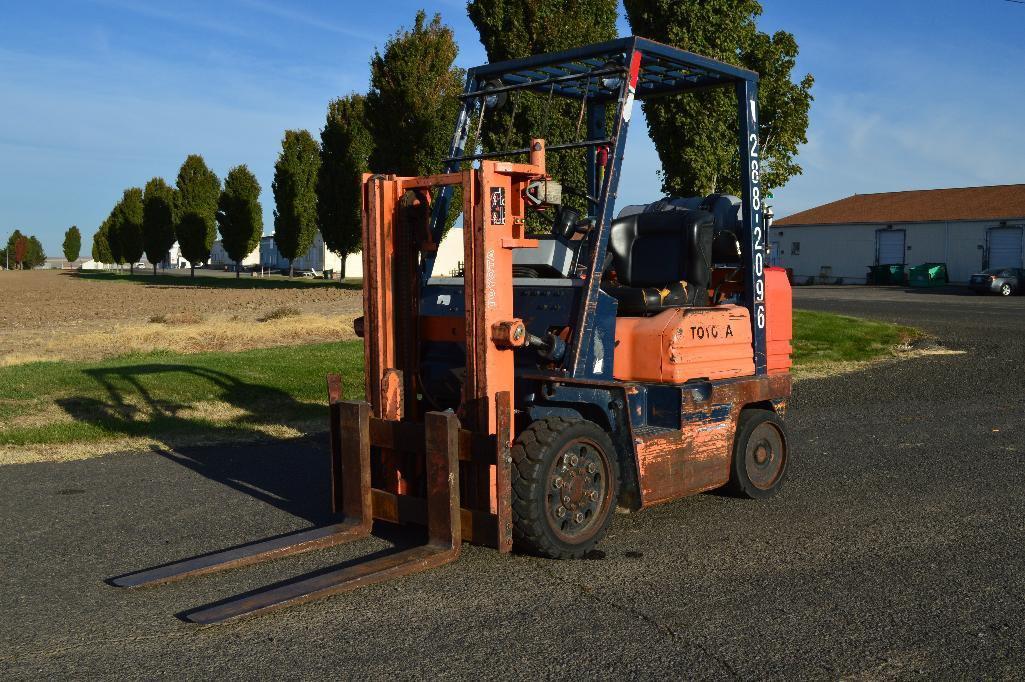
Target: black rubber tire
point(534, 453)
point(741, 484)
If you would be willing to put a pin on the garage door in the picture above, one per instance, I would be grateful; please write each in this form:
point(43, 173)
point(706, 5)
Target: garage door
point(1005, 247)
point(890, 247)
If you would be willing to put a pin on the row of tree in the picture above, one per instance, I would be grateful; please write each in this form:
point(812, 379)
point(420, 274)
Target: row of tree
point(149, 220)
point(403, 125)
point(22, 252)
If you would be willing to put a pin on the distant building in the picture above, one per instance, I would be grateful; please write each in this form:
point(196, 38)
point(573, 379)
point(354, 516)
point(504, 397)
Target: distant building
point(969, 229)
point(220, 258)
point(175, 260)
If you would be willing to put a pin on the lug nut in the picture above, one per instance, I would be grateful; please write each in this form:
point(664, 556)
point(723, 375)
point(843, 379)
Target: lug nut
point(592, 467)
point(579, 517)
point(573, 459)
point(593, 495)
point(557, 483)
point(560, 512)
point(565, 499)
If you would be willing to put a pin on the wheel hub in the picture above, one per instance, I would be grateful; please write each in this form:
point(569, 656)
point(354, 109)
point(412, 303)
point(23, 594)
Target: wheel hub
point(576, 489)
point(764, 457)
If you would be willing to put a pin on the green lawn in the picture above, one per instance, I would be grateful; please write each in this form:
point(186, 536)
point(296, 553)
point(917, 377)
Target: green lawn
point(242, 396)
point(164, 394)
point(821, 338)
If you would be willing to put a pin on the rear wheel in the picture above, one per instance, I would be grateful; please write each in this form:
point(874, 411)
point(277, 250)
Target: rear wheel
point(1006, 289)
point(760, 455)
point(565, 483)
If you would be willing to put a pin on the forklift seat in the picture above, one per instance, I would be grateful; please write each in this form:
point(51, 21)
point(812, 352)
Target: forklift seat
point(662, 260)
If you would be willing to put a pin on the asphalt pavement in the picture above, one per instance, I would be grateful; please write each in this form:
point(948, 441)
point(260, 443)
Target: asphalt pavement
point(895, 550)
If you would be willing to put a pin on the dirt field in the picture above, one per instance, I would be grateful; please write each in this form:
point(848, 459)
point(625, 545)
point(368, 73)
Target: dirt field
point(53, 315)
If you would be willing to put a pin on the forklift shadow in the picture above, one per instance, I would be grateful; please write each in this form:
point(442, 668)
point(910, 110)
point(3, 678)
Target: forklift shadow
point(288, 472)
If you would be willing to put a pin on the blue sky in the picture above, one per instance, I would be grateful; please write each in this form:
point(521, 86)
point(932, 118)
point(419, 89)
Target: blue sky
point(101, 95)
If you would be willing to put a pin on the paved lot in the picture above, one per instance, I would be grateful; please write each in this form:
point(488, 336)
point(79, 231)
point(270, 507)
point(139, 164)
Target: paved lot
point(896, 550)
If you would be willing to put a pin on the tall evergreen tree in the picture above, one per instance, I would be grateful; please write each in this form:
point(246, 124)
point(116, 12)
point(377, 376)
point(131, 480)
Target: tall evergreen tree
point(511, 29)
point(239, 214)
point(696, 134)
point(157, 220)
point(128, 226)
point(295, 195)
point(413, 102)
point(345, 148)
point(72, 245)
point(196, 210)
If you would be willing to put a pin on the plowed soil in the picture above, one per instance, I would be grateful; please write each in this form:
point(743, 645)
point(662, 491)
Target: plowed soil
point(53, 315)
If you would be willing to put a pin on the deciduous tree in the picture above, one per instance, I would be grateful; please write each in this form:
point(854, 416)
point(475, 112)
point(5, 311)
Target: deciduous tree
point(295, 195)
point(696, 134)
point(128, 226)
point(239, 214)
point(101, 243)
point(413, 101)
point(10, 257)
point(345, 148)
point(34, 254)
point(511, 29)
point(157, 220)
point(20, 250)
point(72, 245)
point(196, 210)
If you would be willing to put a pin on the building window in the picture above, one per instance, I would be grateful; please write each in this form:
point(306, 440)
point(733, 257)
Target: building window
point(795, 248)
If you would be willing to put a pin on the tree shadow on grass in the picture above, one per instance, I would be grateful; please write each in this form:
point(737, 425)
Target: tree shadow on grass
point(290, 473)
point(208, 281)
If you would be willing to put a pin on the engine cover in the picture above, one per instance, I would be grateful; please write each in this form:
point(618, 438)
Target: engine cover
point(682, 344)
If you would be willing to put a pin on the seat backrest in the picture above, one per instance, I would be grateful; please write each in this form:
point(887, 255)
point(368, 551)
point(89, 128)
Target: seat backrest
point(655, 249)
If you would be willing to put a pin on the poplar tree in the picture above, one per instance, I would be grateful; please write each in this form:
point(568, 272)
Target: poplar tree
point(413, 102)
point(512, 29)
point(72, 245)
point(196, 210)
point(695, 134)
point(345, 149)
point(128, 226)
point(157, 220)
point(295, 195)
point(101, 243)
point(239, 214)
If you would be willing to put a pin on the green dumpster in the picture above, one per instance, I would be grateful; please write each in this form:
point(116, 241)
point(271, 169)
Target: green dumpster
point(886, 274)
point(928, 275)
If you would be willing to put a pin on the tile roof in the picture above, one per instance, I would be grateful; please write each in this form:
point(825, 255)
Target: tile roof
point(998, 202)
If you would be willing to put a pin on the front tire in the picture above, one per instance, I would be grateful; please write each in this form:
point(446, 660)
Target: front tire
point(760, 455)
point(565, 484)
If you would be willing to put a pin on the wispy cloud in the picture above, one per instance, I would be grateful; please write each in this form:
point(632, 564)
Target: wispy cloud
point(291, 14)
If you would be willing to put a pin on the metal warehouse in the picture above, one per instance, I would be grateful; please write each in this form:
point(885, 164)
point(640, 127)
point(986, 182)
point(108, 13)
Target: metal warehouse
point(969, 229)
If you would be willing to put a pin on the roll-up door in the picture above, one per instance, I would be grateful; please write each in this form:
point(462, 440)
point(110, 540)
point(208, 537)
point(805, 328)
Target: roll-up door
point(890, 247)
point(1005, 246)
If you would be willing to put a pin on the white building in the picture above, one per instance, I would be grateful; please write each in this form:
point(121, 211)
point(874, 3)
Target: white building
point(320, 258)
point(968, 229)
point(219, 257)
point(175, 259)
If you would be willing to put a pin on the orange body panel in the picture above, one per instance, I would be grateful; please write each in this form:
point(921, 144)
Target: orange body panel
point(683, 344)
point(779, 324)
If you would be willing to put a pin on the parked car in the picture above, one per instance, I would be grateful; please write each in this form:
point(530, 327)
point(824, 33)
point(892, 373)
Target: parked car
point(1003, 281)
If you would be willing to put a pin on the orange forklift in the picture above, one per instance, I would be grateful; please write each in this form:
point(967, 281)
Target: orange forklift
point(613, 361)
